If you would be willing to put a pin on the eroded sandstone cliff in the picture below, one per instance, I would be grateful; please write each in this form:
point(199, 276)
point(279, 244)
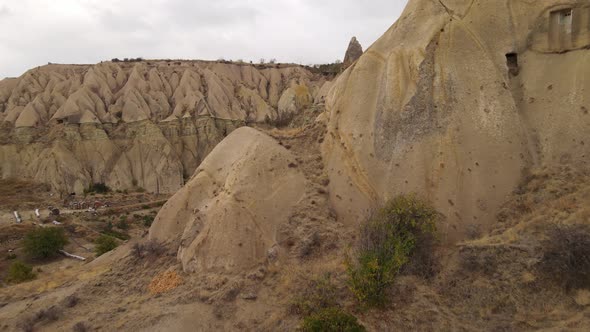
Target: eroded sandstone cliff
point(458, 113)
point(145, 124)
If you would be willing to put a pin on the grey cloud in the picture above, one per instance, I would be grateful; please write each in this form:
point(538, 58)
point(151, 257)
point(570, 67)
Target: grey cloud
point(200, 14)
point(4, 11)
point(121, 22)
point(88, 31)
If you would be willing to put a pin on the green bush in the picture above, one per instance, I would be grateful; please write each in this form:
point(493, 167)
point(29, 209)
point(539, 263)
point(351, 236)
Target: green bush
point(148, 220)
point(316, 295)
point(99, 188)
point(387, 241)
point(108, 230)
point(105, 244)
point(331, 319)
point(122, 224)
point(118, 235)
point(19, 272)
point(45, 242)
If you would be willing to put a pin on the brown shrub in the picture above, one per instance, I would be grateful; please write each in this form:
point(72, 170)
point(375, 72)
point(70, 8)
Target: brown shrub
point(316, 294)
point(566, 257)
point(150, 249)
point(71, 301)
point(80, 327)
point(42, 316)
point(424, 262)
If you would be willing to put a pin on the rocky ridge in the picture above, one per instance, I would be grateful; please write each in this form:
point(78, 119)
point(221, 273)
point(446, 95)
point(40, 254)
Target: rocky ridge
point(145, 124)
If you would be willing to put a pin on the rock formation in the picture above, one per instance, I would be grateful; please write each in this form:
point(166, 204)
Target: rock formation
point(227, 216)
point(437, 114)
point(479, 106)
point(147, 124)
point(432, 108)
point(353, 52)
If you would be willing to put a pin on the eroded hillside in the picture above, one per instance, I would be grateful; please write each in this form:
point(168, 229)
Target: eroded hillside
point(478, 107)
point(146, 124)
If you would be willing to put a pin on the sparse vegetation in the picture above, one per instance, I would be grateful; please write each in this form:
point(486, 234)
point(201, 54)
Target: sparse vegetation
point(148, 249)
point(388, 239)
point(98, 188)
point(566, 257)
point(42, 316)
point(317, 294)
point(309, 245)
point(319, 305)
point(71, 301)
point(281, 121)
point(20, 194)
point(109, 231)
point(122, 223)
point(80, 327)
point(20, 272)
point(105, 244)
point(43, 243)
point(423, 262)
point(117, 235)
point(331, 69)
point(148, 220)
point(331, 319)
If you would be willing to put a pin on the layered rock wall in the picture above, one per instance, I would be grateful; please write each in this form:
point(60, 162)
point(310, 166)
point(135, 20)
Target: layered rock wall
point(147, 124)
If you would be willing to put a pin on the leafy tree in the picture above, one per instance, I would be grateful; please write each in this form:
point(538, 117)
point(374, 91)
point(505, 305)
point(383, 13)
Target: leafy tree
point(43, 243)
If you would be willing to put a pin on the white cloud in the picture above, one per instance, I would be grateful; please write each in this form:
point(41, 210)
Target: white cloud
point(4, 11)
point(88, 31)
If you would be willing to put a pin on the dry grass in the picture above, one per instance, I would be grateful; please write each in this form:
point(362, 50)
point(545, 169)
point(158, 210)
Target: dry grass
point(17, 194)
point(165, 282)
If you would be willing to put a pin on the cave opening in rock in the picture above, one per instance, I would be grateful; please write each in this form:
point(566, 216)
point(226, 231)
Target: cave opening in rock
point(512, 63)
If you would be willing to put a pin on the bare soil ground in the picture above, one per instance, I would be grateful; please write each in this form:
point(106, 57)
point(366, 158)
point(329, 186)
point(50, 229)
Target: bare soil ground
point(18, 194)
point(127, 217)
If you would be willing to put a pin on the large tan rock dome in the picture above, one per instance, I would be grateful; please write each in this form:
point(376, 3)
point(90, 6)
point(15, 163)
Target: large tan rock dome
point(227, 217)
point(442, 113)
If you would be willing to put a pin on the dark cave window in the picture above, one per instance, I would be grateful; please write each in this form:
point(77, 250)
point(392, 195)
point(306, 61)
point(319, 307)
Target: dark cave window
point(512, 63)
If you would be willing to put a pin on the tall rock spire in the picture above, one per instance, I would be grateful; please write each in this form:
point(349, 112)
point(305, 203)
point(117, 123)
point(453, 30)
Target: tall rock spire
point(354, 51)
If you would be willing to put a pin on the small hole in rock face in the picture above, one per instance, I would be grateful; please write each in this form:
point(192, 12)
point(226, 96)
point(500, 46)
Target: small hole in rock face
point(512, 63)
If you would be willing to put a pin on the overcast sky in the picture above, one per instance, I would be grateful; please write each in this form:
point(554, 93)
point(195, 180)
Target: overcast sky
point(34, 32)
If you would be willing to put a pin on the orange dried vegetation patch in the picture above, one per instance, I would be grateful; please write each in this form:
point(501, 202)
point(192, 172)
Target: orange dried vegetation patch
point(164, 282)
